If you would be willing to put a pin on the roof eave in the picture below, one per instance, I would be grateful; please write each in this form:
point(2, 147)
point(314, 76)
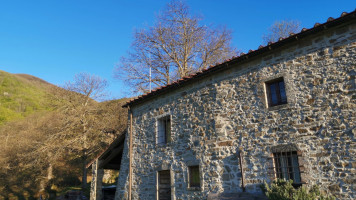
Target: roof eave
point(251, 54)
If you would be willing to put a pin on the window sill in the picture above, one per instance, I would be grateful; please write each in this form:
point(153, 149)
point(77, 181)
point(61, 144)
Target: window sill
point(278, 107)
point(193, 188)
point(163, 146)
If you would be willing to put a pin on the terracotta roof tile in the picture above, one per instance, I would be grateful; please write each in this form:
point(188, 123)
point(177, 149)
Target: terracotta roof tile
point(330, 19)
point(271, 45)
point(316, 24)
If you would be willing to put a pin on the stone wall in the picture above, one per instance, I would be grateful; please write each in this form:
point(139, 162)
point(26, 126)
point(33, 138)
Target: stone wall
point(96, 181)
point(216, 117)
point(123, 179)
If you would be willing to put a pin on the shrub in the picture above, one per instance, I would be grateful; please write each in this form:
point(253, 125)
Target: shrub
point(284, 190)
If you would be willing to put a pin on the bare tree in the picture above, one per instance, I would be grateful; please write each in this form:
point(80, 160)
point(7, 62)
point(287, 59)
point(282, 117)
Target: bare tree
point(89, 87)
point(175, 46)
point(80, 130)
point(281, 29)
point(22, 160)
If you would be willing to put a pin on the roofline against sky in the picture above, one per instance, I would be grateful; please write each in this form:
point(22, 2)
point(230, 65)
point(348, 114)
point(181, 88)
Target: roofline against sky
point(331, 22)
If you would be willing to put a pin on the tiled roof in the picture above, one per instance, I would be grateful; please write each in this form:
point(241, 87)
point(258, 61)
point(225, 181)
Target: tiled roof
point(331, 22)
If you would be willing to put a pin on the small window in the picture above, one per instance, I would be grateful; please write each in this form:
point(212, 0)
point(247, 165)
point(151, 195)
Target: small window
point(276, 92)
point(194, 176)
point(164, 185)
point(287, 166)
point(164, 130)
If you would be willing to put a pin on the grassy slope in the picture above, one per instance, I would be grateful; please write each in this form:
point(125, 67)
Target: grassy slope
point(22, 95)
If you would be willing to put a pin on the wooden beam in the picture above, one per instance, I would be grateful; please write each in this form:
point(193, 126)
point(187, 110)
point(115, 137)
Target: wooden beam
point(113, 154)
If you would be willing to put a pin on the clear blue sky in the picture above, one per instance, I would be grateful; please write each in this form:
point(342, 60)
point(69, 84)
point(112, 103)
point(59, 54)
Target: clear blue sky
point(55, 39)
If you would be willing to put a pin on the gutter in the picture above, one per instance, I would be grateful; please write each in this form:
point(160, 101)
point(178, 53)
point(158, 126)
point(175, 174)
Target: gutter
point(130, 156)
point(242, 171)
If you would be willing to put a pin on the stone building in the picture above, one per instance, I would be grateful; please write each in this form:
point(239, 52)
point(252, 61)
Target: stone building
point(286, 110)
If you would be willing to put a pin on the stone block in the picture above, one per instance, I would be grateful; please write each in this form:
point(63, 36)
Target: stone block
point(225, 143)
point(334, 188)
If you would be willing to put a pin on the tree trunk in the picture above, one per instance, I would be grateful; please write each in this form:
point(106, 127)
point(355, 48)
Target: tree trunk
point(44, 183)
point(84, 176)
point(50, 172)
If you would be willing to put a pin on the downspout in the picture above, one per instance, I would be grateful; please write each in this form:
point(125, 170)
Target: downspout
point(130, 156)
point(242, 171)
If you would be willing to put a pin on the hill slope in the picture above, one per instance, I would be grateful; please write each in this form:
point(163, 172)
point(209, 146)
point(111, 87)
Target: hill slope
point(34, 124)
point(21, 95)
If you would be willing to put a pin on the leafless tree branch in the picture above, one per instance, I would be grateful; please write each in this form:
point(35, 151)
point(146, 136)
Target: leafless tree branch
point(281, 29)
point(175, 46)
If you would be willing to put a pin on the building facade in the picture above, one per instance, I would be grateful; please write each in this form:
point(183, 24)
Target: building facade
point(286, 110)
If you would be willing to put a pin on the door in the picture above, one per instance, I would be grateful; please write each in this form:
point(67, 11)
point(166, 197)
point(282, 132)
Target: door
point(164, 185)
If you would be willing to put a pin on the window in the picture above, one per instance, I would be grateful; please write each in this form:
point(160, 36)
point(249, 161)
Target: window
point(164, 185)
point(276, 92)
point(164, 130)
point(194, 177)
point(287, 166)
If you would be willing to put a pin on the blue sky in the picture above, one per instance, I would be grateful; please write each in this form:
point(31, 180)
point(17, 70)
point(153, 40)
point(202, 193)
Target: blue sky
point(56, 39)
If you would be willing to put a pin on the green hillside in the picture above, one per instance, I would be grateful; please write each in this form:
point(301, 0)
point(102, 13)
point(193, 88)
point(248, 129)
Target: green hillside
point(42, 136)
point(21, 95)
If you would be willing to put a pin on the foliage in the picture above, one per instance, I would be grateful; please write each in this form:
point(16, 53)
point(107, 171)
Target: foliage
point(284, 190)
point(174, 47)
point(281, 29)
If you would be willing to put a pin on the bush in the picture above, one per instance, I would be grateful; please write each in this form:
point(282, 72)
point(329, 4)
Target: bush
point(284, 190)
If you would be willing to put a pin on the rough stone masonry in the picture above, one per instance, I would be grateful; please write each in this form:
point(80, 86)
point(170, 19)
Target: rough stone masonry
point(215, 118)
